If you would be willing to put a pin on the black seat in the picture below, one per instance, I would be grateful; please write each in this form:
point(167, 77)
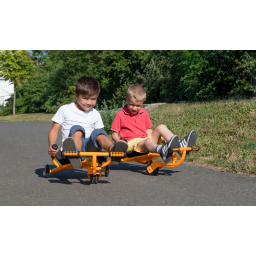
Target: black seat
point(130, 154)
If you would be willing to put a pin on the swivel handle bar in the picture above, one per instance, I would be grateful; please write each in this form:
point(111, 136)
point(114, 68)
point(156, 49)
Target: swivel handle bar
point(55, 146)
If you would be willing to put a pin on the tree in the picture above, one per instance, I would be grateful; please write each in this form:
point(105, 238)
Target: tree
point(117, 70)
point(17, 67)
point(198, 75)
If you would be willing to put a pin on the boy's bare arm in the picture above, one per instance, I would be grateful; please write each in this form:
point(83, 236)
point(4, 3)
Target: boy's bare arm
point(148, 131)
point(52, 137)
point(115, 136)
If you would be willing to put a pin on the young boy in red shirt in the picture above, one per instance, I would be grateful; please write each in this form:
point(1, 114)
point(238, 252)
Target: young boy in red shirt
point(133, 124)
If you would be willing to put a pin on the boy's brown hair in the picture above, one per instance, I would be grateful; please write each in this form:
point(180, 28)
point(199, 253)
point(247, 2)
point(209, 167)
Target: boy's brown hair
point(87, 85)
point(136, 91)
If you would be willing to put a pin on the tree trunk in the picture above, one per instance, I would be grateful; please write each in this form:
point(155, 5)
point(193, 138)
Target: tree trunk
point(14, 99)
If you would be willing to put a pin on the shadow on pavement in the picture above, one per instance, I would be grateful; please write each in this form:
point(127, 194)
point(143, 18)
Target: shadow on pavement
point(65, 176)
point(140, 169)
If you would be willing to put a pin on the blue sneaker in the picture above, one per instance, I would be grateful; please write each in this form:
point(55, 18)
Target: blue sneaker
point(166, 150)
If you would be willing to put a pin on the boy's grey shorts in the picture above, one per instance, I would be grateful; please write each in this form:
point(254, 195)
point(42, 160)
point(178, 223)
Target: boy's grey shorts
point(88, 144)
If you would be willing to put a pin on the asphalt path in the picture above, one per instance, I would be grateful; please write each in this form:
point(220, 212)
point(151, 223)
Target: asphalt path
point(23, 156)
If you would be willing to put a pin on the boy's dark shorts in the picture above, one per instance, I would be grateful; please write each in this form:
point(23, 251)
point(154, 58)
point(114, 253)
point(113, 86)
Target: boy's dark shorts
point(88, 144)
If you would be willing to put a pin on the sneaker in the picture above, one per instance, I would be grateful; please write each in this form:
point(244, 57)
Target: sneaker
point(166, 150)
point(69, 145)
point(120, 146)
point(62, 159)
point(188, 141)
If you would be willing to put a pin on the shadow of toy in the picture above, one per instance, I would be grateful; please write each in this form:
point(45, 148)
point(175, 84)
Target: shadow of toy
point(65, 176)
point(141, 168)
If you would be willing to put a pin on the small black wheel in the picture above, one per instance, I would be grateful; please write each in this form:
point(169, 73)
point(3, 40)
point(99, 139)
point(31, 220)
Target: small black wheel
point(94, 179)
point(155, 172)
point(147, 167)
point(47, 171)
point(107, 171)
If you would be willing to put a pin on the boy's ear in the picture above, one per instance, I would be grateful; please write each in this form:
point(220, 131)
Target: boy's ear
point(75, 95)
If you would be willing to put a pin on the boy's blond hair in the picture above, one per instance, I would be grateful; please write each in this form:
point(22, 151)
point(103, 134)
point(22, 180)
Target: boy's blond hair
point(136, 91)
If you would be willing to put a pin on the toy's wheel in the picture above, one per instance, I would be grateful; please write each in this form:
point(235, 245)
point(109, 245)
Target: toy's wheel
point(155, 172)
point(107, 171)
point(147, 167)
point(47, 171)
point(94, 179)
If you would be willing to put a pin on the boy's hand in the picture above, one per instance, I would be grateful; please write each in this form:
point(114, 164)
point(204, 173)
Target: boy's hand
point(52, 152)
point(149, 131)
point(52, 137)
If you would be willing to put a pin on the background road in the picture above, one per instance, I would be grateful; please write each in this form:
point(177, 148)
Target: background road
point(23, 155)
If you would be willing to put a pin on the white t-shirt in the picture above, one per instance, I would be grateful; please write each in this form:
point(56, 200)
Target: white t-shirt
point(69, 115)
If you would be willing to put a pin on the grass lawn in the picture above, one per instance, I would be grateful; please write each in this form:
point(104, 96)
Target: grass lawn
point(225, 129)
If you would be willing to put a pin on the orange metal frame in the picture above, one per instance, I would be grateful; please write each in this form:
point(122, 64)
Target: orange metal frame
point(95, 168)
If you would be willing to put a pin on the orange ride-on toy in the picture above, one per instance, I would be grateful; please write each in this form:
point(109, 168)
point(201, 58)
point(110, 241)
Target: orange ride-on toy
point(96, 167)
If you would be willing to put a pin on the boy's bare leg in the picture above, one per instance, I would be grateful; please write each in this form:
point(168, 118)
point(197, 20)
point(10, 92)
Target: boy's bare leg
point(161, 130)
point(77, 137)
point(151, 144)
point(147, 145)
point(105, 142)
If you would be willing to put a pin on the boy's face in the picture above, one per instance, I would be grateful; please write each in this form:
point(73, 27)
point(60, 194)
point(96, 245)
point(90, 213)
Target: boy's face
point(133, 105)
point(85, 102)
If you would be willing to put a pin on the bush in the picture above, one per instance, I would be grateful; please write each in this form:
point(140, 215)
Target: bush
point(107, 115)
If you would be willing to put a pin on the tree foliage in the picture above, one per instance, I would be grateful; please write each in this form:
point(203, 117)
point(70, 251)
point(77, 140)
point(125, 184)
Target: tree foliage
point(198, 75)
point(167, 76)
point(17, 67)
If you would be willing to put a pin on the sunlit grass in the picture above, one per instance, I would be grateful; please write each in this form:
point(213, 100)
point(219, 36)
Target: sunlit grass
point(225, 129)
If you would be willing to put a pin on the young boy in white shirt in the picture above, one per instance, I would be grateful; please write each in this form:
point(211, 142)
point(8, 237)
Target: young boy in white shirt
point(81, 125)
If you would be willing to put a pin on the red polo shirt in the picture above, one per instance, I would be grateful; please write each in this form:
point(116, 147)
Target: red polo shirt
point(131, 126)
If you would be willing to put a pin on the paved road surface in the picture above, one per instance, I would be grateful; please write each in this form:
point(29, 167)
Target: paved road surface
point(23, 155)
